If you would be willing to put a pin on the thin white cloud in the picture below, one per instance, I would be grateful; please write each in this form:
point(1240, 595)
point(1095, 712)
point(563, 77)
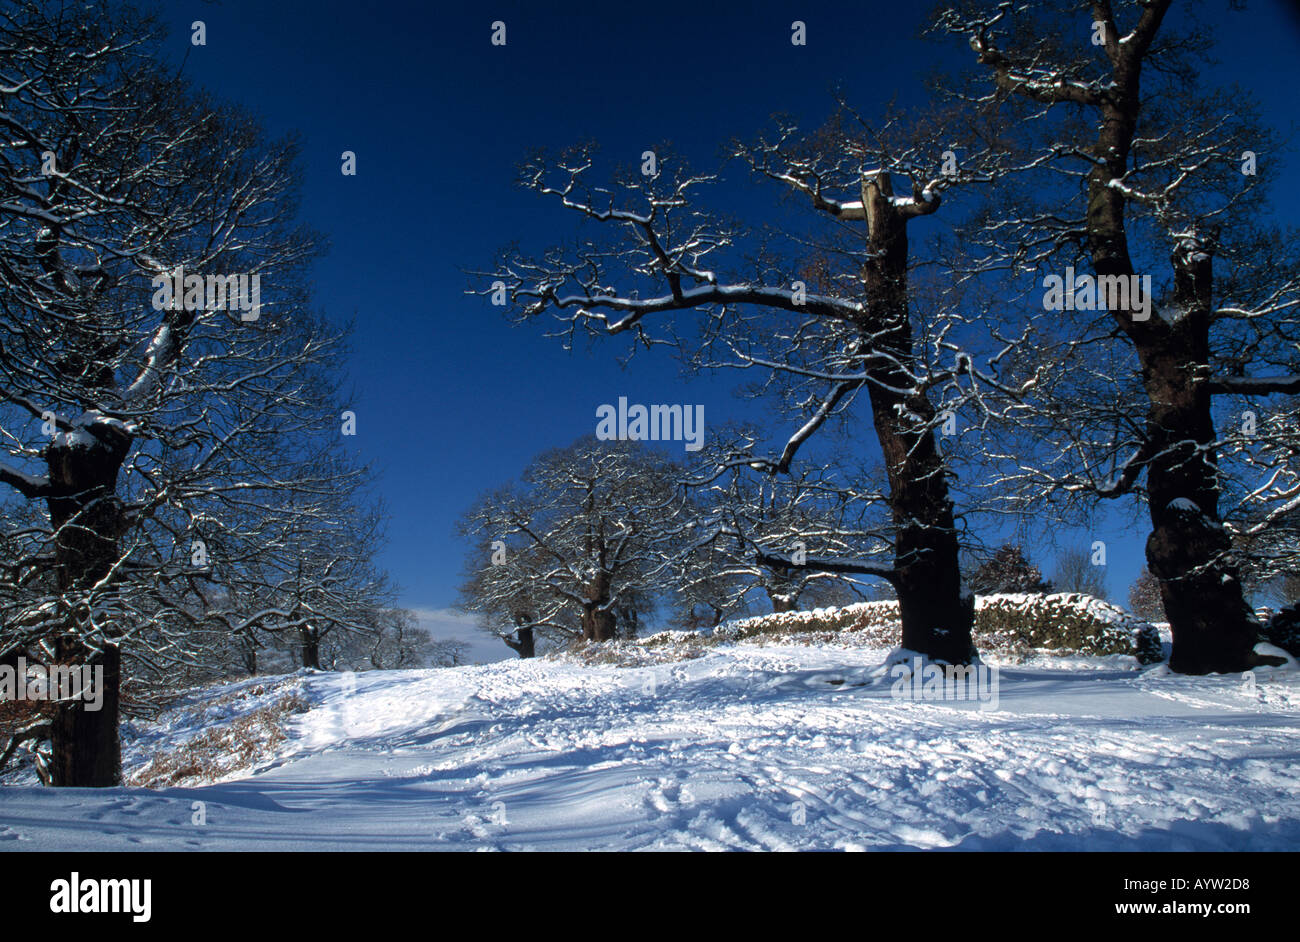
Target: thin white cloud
point(445, 624)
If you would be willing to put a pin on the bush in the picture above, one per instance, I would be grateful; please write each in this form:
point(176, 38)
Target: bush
point(225, 748)
point(1067, 621)
point(879, 620)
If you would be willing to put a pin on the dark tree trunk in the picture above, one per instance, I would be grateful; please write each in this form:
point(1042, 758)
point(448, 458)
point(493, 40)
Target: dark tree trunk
point(598, 624)
point(598, 620)
point(1187, 550)
point(85, 744)
point(936, 612)
point(87, 521)
point(782, 590)
point(310, 648)
point(525, 643)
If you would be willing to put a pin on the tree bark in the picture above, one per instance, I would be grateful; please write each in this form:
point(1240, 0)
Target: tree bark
point(86, 749)
point(310, 648)
point(525, 643)
point(87, 522)
point(782, 602)
point(598, 623)
point(598, 620)
point(936, 610)
point(1188, 551)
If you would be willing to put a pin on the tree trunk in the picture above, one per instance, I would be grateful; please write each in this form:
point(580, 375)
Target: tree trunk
point(597, 624)
point(1187, 550)
point(524, 643)
point(85, 744)
point(310, 648)
point(598, 620)
point(936, 610)
point(87, 522)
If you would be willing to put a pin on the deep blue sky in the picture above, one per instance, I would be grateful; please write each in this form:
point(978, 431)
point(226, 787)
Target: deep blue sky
point(450, 398)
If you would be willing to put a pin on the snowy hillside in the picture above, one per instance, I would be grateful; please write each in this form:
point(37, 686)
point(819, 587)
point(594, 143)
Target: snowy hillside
point(750, 746)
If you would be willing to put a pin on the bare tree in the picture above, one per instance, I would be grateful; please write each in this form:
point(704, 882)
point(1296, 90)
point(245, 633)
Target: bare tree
point(1153, 160)
point(826, 314)
point(1263, 496)
point(780, 536)
point(138, 428)
point(1075, 572)
point(584, 540)
point(397, 641)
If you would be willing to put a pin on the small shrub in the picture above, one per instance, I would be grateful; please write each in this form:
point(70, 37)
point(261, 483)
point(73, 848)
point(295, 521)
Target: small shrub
point(222, 750)
point(665, 648)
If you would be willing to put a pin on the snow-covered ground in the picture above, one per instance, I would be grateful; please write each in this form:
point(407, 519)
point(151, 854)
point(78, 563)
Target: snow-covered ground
point(781, 746)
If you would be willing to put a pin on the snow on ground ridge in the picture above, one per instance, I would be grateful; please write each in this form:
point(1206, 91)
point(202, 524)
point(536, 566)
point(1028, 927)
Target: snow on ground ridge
point(746, 747)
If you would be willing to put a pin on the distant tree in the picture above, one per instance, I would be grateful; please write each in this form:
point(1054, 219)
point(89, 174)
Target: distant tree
point(1008, 570)
point(1144, 597)
point(448, 654)
point(1267, 539)
point(578, 549)
point(398, 641)
point(1075, 572)
point(709, 588)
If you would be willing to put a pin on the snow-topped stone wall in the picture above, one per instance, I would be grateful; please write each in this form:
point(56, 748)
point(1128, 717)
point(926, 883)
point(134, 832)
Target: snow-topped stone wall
point(1069, 622)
